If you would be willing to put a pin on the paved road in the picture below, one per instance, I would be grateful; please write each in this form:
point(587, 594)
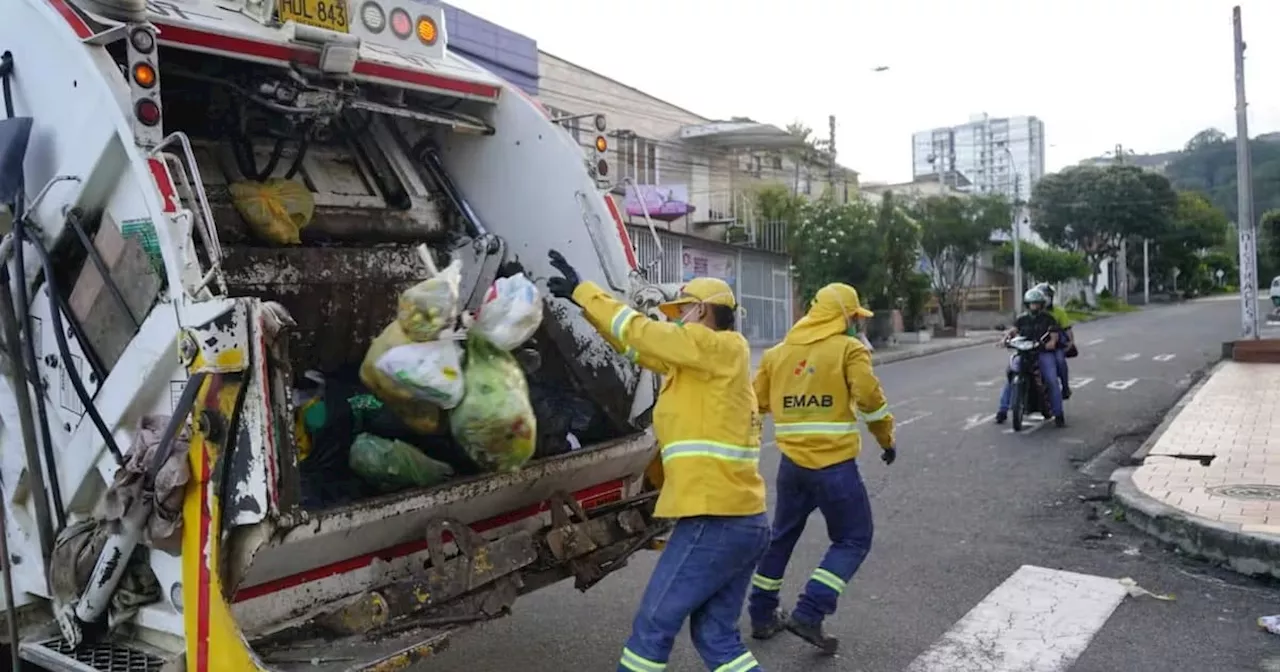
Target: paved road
point(966, 505)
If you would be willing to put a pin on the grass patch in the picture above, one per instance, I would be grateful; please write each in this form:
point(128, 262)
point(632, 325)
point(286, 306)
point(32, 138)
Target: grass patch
point(1111, 305)
point(1079, 315)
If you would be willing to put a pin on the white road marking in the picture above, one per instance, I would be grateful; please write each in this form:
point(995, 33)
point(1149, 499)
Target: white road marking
point(1130, 357)
point(1077, 383)
point(1164, 358)
point(1028, 426)
point(989, 383)
point(913, 419)
point(979, 419)
point(1095, 341)
point(1121, 384)
point(1038, 620)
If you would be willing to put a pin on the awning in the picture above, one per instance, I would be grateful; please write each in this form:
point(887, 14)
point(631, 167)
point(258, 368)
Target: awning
point(741, 135)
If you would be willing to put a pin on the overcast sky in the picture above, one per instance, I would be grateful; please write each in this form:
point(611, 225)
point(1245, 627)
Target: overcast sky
point(1145, 73)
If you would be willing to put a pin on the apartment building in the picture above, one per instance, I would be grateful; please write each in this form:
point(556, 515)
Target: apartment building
point(685, 186)
point(996, 155)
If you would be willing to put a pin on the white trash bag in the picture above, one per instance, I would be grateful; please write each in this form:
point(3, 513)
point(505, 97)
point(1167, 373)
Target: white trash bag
point(510, 314)
point(430, 371)
point(430, 306)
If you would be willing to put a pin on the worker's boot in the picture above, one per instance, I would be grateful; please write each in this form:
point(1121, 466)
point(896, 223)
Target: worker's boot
point(813, 633)
point(775, 625)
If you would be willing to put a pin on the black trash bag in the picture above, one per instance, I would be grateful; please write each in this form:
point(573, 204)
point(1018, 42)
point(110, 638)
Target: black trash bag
point(561, 412)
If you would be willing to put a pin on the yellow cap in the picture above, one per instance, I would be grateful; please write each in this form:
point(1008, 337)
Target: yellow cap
point(843, 296)
point(700, 290)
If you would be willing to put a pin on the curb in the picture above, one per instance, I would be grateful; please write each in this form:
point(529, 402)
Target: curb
point(1169, 416)
point(1248, 554)
point(943, 346)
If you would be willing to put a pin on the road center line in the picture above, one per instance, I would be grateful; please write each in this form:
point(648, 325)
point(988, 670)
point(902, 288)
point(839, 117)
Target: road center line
point(1168, 356)
point(1077, 383)
point(1038, 620)
point(1130, 357)
point(1095, 341)
point(977, 420)
point(1121, 385)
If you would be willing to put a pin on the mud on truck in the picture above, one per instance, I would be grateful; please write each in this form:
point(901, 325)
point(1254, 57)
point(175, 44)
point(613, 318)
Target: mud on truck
point(166, 506)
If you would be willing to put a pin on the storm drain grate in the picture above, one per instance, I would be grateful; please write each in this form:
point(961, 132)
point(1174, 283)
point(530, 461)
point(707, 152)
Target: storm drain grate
point(106, 657)
point(1251, 491)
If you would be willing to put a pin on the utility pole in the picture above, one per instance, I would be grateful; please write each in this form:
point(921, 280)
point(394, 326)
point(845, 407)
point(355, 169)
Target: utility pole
point(1246, 225)
point(831, 147)
point(1122, 273)
point(1146, 273)
point(1017, 238)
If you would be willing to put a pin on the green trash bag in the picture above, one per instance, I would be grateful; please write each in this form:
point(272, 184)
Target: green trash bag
point(390, 465)
point(495, 422)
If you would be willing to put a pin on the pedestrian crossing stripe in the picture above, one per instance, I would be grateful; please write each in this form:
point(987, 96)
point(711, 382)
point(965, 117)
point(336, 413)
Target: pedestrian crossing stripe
point(1038, 620)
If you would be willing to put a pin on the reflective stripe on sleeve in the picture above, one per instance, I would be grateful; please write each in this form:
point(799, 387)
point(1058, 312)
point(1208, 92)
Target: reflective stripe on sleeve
point(713, 449)
point(793, 428)
point(636, 663)
point(765, 583)
point(828, 579)
point(878, 414)
point(618, 326)
point(743, 663)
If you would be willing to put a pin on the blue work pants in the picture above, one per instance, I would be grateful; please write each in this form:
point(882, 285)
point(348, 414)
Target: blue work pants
point(838, 492)
point(702, 575)
point(1048, 372)
point(1060, 356)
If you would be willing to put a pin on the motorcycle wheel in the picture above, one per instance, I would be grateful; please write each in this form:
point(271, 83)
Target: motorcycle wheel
point(1019, 402)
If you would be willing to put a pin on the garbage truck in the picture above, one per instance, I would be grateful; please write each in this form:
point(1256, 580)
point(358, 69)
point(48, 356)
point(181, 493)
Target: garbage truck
point(156, 474)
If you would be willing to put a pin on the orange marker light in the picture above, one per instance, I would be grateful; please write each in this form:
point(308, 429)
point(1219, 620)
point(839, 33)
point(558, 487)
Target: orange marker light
point(427, 31)
point(602, 145)
point(144, 75)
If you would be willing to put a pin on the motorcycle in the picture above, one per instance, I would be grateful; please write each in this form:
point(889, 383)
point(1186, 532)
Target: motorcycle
point(1030, 394)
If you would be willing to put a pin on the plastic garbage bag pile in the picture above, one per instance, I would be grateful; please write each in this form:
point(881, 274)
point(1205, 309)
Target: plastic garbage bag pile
point(433, 366)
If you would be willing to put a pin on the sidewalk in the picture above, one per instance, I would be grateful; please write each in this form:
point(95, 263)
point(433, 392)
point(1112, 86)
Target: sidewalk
point(1210, 480)
point(897, 353)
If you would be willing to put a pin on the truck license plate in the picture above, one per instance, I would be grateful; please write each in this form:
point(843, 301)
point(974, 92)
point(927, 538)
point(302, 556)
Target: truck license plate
point(330, 14)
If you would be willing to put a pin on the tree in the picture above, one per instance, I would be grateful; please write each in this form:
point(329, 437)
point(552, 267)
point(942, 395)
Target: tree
point(835, 242)
point(899, 254)
point(1090, 210)
point(1046, 264)
point(953, 232)
point(1197, 226)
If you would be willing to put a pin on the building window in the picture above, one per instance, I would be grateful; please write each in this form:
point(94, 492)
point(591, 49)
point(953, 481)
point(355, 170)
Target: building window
point(638, 159)
point(572, 125)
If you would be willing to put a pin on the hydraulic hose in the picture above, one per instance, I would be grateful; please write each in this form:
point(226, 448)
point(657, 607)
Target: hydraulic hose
point(64, 350)
point(18, 380)
point(6, 567)
point(23, 316)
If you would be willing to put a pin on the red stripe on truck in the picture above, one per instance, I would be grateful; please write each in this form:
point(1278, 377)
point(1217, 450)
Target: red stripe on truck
point(198, 39)
point(78, 25)
point(622, 231)
point(592, 497)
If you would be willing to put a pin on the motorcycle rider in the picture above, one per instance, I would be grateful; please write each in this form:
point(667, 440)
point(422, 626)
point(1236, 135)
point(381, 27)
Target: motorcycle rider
point(1036, 324)
point(1066, 338)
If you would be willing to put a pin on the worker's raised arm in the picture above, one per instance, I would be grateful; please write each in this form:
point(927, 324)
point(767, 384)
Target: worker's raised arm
point(761, 383)
point(865, 390)
point(660, 343)
point(655, 365)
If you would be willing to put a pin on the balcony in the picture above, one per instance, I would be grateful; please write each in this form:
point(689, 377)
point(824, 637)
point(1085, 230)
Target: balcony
point(727, 217)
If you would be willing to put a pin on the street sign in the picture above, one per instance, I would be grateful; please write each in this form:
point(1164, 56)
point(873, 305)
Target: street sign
point(1219, 273)
point(1176, 271)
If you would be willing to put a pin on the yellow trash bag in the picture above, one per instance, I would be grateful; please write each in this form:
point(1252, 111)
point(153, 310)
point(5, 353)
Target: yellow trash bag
point(427, 308)
point(276, 210)
point(421, 416)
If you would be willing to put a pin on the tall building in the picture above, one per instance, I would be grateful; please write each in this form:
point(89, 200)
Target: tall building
point(977, 151)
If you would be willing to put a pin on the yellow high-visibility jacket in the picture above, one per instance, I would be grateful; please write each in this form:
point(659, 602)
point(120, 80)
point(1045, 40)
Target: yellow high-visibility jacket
point(812, 385)
point(706, 418)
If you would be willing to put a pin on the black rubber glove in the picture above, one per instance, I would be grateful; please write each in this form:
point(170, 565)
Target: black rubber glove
point(562, 287)
point(889, 455)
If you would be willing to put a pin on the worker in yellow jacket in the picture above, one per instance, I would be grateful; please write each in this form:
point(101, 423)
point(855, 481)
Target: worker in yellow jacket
point(708, 432)
point(812, 383)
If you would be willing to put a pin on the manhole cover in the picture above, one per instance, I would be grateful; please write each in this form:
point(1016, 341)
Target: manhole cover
point(1246, 491)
